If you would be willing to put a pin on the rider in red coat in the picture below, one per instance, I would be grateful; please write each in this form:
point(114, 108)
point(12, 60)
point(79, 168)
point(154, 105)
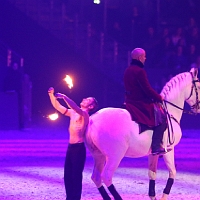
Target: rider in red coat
point(140, 98)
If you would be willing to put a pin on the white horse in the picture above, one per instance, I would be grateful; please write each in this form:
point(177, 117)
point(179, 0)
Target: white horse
point(112, 135)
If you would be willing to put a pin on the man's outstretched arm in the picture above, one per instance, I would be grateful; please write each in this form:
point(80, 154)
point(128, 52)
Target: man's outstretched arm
point(55, 103)
point(70, 103)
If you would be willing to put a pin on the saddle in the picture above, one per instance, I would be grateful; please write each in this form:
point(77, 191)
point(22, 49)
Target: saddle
point(143, 127)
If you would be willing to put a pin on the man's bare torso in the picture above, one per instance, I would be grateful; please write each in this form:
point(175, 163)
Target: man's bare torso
point(77, 127)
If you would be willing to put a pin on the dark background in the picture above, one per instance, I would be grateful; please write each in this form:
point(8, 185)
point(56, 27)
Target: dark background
point(47, 59)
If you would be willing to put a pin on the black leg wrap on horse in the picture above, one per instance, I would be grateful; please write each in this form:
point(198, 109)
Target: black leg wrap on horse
point(152, 188)
point(168, 187)
point(114, 192)
point(103, 193)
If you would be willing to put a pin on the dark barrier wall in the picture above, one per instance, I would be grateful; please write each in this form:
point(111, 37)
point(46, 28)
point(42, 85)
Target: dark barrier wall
point(9, 115)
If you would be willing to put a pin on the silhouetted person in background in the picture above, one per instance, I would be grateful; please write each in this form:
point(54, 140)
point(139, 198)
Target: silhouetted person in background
point(196, 64)
point(13, 83)
point(13, 79)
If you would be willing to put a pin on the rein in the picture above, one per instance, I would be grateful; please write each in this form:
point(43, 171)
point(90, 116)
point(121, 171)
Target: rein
point(184, 111)
point(169, 117)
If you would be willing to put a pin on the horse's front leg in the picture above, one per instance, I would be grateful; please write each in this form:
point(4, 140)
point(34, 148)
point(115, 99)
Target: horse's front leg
point(152, 164)
point(169, 161)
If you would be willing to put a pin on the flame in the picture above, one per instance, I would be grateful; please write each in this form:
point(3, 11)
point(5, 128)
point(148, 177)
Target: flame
point(53, 117)
point(69, 81)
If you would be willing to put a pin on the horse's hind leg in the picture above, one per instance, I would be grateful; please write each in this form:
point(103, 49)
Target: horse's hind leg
point(109, 169)
point(99, 162)
point(153, 162)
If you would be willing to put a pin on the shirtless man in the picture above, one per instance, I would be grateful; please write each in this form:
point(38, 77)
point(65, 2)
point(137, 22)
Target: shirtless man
point(76, 151)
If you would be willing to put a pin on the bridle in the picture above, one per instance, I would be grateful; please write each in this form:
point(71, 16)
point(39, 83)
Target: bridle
point(196, 105)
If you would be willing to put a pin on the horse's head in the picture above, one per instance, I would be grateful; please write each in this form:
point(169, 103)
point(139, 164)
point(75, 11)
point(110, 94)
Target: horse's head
point(194, 96)
point(183, 87)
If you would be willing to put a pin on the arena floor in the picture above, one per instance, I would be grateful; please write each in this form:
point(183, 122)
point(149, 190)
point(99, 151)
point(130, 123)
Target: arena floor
point(31, 168)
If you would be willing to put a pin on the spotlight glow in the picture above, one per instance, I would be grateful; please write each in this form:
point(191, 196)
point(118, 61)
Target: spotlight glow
point(97, 1)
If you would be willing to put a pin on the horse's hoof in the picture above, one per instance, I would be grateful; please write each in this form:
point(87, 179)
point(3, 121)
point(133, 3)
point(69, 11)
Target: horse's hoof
point(153, 198)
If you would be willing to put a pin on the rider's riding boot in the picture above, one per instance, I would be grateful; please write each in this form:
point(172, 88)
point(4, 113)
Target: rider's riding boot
point(159, 151)
point(157, 137)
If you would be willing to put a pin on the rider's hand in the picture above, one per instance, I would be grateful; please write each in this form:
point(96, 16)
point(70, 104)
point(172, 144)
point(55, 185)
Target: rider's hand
point(51, 90)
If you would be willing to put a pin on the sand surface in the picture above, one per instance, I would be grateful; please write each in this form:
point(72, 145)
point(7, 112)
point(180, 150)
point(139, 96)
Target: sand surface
point(31, 168)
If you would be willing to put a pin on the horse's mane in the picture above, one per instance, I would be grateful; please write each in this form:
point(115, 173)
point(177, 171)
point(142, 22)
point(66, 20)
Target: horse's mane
point(175, 85)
